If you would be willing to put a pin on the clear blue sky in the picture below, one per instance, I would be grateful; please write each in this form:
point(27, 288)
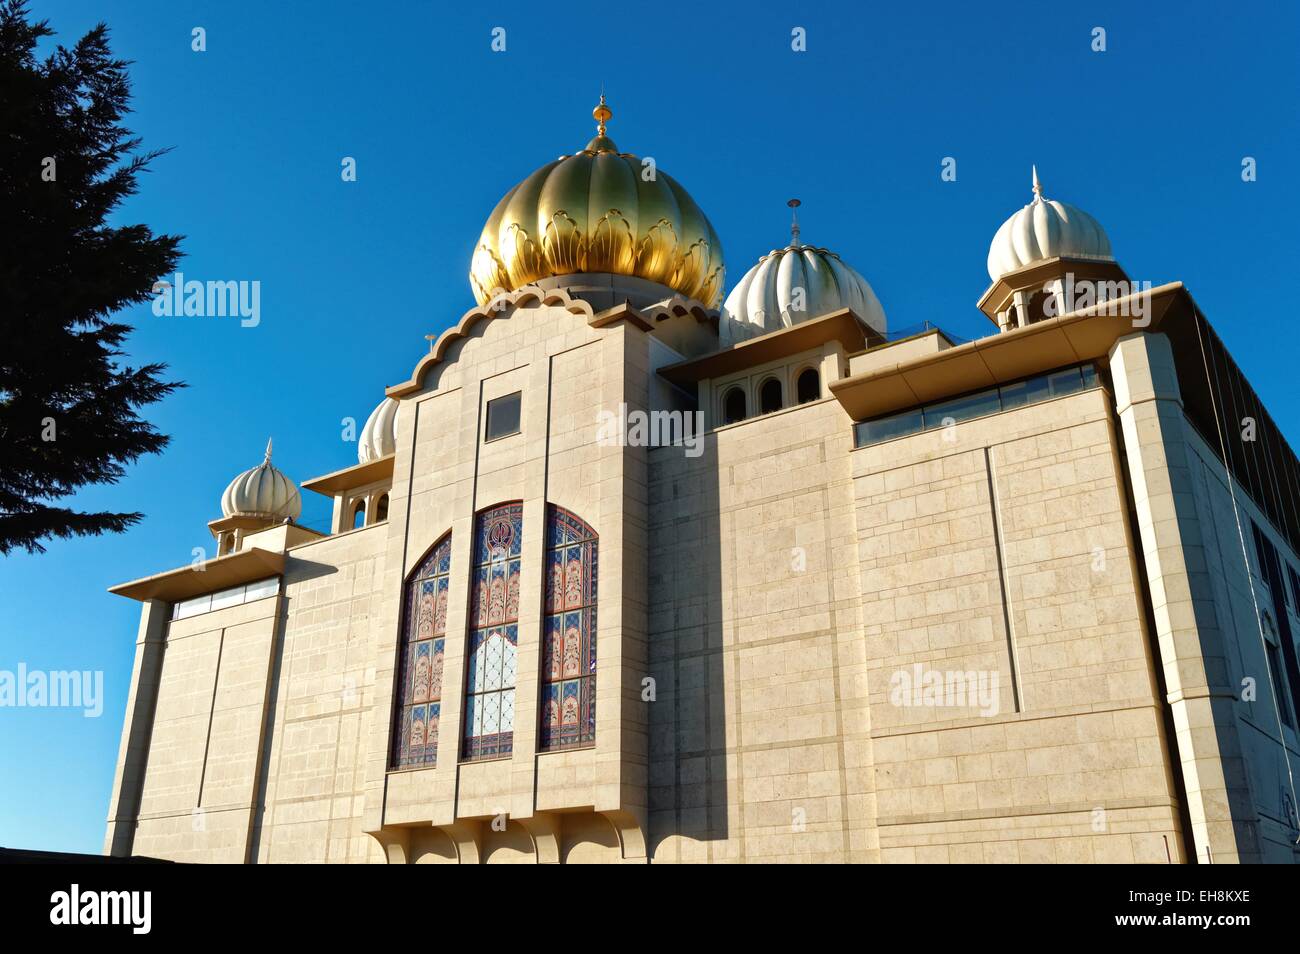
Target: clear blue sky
point(1148, 137)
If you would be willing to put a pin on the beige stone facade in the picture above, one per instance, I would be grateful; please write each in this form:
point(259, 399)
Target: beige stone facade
point(769, 609)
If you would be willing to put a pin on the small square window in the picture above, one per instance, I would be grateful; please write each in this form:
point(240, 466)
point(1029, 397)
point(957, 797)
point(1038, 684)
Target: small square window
point(502, 416)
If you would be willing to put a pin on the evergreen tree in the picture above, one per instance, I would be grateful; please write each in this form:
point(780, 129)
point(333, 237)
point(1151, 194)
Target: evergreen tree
point(68, 405)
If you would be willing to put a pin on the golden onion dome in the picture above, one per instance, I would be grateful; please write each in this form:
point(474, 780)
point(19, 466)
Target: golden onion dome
point(599, 210)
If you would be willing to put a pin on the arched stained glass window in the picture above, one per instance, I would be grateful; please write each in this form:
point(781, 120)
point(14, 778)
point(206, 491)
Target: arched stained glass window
point(494, 634)
point(424, 630)
point(569, 633)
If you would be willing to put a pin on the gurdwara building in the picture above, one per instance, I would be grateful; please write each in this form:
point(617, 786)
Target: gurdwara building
point(632, 568)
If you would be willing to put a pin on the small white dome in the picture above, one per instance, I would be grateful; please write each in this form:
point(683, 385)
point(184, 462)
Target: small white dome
point(379, 436)
point(263, 491)
point(767, 297)
point(1046, 229)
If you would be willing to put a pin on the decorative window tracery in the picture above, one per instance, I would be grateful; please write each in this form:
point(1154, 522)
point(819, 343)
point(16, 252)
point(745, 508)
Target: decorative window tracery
point(568, 709)
point(494, 634)
point(424, 630)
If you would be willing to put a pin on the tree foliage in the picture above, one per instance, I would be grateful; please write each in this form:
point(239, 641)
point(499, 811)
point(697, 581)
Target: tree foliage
point(69, 406)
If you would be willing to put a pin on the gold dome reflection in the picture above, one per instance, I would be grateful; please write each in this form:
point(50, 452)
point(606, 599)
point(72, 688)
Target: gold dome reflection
point(599, 210)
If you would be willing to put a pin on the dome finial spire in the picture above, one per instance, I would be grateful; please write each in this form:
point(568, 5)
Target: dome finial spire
point(794, 220)
point(1038, 186)
point(602, 113)
point(268, 450)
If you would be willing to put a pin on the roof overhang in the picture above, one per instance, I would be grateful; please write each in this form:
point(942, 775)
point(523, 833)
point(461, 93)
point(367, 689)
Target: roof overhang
point(358, 475)
point(220, 573)
point(842, 326)
point(1001, 358)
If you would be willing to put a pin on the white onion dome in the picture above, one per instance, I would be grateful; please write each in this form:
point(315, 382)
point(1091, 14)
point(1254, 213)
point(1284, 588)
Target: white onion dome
point(379, 435)
point(795, 284)
point(262, 491)
point(1046, 229)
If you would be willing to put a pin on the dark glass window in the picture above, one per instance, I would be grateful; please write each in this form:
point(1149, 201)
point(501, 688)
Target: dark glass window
point(1262, 546)
point(1279, 685)
point(1024, 392)
point(887, 428)
point(809, 386)
point(962, 409)
point(733, 406)
point(1004, 398)
point(1295, 588)
point(503, 416)
point(381, 508)
point(769, 396)
point(1065, 382)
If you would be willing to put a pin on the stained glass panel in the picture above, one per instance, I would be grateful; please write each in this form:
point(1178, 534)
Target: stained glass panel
point(568, 704)
point(494, 636)
point(419, 682)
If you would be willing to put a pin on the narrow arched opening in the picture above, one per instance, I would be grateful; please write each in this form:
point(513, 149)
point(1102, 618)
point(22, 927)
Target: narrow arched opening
point(734, 406)
point(809, 386)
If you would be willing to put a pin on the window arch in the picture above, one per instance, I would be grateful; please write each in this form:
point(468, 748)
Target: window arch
point(568, 633)
point(420, 655)
point(358, 514)
point(808, 387)
point(769, 396)
point(381, 509)
point(733, 405)
point(494, 634)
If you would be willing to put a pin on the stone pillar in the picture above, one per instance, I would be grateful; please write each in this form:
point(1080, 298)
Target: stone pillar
point(1056, 288)
point(704, 392)
point(1020, 308)
point(137, 727)
point(336, 517)
point(830, 368)
point(1190, 644)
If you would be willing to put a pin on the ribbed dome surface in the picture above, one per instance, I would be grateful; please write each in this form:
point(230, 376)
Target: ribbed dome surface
point(379, 436)
point(1046, 229)
point(599, 211)
point(262, 491)
point(768, 297)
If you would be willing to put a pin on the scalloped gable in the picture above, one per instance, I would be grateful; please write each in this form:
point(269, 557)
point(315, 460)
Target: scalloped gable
point(513, 300)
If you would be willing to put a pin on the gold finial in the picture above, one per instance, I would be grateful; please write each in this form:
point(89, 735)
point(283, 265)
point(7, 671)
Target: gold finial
point(1038, 186)
point(602, 114)
point(268, 450)
point(794, 220)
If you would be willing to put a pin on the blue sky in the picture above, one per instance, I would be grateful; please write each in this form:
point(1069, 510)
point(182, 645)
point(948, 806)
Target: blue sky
point(1148, 136)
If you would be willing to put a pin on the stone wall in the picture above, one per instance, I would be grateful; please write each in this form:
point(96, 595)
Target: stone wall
point(995, 553)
